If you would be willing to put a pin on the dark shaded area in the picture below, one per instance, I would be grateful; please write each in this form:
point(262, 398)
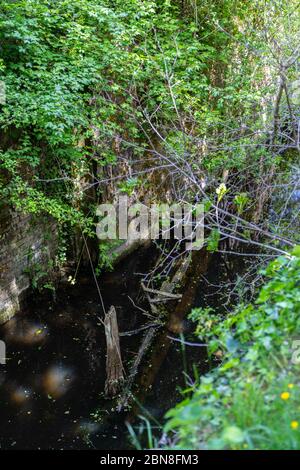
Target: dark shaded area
point(51, 389)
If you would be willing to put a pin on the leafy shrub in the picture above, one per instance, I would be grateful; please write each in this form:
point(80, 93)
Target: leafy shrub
point(252, 399)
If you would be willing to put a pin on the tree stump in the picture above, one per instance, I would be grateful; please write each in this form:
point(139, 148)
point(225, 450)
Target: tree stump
point(114, 366)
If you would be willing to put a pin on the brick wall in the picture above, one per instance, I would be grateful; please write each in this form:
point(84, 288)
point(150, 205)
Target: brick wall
point(26, 244)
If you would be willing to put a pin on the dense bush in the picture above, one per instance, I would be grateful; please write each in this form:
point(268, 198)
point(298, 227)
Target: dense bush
point(252, 399)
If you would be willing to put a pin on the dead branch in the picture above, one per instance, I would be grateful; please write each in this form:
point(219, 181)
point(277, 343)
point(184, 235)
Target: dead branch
point(160, 292)
point(114, 366)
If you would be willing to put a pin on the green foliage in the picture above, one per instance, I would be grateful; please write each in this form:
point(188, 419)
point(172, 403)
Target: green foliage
point(205, 319)
point(128, 186)
point(252, 399)
point(73, 67)
point(241, 200)
point(221, 191)
point(107, 255)
point(87, 81)
point(38, 273)
point(213, 240)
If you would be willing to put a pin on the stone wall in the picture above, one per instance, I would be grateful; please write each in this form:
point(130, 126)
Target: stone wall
point(26, 245)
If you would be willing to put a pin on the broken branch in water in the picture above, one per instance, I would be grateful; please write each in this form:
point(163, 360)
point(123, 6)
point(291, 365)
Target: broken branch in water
point(188, 343)
point(161, 293)
point(114, 366)
point(160, 301)
point(146, 342)
point(138, 330)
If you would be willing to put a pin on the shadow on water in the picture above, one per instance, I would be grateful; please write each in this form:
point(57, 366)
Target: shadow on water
point(52, 386)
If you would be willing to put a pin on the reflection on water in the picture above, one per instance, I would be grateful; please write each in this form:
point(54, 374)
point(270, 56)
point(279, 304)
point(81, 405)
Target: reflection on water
point(24, 332)
point(19, 395)
point(57, 380)
point(51, 389)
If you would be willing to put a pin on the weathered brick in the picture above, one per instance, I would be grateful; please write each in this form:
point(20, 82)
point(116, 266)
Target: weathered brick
point(22, 243)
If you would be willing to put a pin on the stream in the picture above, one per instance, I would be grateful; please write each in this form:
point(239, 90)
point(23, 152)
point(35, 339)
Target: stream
point(51, 388)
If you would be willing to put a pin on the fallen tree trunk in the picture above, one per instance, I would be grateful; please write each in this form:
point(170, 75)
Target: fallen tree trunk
point(161, 293)
point(114, 366)
point(188, 273)
point(126, 394)
point(165, 294)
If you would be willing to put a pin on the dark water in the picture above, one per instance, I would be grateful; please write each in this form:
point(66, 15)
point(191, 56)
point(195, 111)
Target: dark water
point(51, 389)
